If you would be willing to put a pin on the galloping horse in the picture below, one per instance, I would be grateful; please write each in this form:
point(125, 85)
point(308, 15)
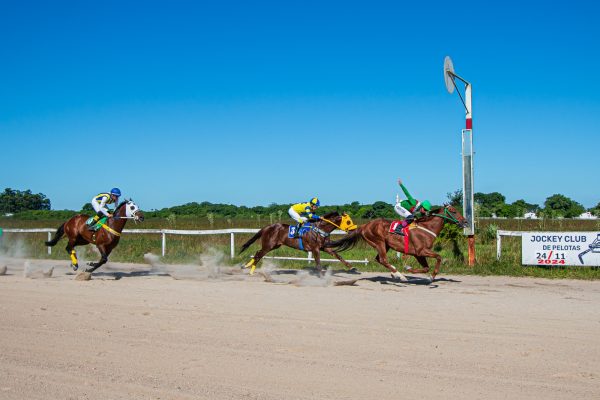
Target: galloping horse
point(275, 235)
point(418, 243)
point(105, 239)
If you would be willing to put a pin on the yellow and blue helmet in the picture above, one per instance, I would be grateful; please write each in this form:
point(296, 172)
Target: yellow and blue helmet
point(315, 202)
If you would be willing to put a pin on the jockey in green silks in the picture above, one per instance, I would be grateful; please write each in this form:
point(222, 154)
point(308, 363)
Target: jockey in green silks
point(409, 207)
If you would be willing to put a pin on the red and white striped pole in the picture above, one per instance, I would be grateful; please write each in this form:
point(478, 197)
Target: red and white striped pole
point(467, 154)
point(469, 126)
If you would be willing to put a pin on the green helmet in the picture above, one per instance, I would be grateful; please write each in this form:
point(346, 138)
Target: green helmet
point(426, 205)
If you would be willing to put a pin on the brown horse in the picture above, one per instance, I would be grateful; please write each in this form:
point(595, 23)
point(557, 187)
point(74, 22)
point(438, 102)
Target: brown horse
point(105, 239)
point(420, 239)
point(275, 235)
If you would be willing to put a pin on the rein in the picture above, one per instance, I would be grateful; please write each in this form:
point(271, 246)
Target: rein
point(332, 223)
point(447, 216)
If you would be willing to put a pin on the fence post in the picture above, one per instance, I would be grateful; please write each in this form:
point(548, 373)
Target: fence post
point(164, 243)
point(232, 245)
point(49, 238)
point(498, 245)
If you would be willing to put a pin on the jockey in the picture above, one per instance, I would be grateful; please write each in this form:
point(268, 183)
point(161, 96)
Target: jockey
point(302, 212)
point(407, 208)
point(99, 203)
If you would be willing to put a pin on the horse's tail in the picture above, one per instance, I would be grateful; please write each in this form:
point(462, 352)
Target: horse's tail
point(252, 240)
point(59, 233)
point(347, 242)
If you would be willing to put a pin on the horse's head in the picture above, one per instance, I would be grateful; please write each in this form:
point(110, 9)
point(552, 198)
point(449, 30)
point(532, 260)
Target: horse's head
point(340, 221)
point(129, 209)
point(452, 214)
point(347, 224)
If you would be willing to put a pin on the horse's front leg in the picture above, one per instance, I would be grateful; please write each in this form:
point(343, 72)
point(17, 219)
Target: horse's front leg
point(422, 259)
point(103, 259)
point(317, 255)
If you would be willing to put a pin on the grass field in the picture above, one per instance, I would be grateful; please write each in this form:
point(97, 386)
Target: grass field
point(186, 249)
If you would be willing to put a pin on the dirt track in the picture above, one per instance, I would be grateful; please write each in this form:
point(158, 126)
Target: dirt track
point(150, 336)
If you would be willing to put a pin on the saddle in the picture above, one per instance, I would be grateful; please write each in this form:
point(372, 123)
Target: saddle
point(98, 225)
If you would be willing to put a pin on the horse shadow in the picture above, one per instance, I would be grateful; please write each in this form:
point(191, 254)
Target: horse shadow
point(116, 275)
point(412, 280)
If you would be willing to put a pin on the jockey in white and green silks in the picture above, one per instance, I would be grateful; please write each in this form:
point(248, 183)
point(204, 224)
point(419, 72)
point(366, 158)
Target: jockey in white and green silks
point(99, 203)
point(407, 208)
point(302, 212)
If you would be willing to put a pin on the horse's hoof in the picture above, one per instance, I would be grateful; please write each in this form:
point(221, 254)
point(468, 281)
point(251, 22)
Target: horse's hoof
point(399, 276)
point(408, 267)
point(91, 264)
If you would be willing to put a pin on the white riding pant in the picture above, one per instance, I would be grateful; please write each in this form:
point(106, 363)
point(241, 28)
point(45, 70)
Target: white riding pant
point(99, 207)
point(296, 217)
point(403, 212)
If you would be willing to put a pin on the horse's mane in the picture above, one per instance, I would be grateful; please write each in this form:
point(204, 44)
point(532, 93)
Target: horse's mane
point(331, 214)
point(121, 204)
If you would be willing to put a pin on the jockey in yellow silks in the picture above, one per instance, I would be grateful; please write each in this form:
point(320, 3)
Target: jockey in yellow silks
point(302, 212)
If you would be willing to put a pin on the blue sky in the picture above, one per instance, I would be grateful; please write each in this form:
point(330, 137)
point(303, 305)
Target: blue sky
point(251, 103)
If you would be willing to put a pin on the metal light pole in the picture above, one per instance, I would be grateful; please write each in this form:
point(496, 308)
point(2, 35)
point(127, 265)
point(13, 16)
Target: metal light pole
point(467, 154)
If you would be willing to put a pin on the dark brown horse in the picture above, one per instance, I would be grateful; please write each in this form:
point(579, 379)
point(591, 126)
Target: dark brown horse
point(105, 239)
point(275, 235)
point(420, 239)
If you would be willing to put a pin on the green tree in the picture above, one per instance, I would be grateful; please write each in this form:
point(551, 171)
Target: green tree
point(14, 201)
point(456, 199)
point(520, 207)
point(595, 210)
point(559, 205)
point(489, 203)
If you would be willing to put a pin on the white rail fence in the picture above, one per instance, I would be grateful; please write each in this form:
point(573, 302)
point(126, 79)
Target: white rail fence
point(165, 232)
point(499, 234)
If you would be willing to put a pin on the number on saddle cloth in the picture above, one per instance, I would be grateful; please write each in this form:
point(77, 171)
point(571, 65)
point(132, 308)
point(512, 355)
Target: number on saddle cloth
point(292, 230)
point(98, 225)
point(396, 226)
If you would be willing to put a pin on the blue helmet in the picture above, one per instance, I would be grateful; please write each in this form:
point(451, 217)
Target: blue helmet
point(315, 202)
point(116, 192)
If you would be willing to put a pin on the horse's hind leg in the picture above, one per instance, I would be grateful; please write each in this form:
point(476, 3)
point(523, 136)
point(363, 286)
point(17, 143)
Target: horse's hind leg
point(256, 258)
point(382, 259)
point(71, 251)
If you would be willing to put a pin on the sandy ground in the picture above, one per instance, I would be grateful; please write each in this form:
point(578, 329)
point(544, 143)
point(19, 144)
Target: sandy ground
point(136, 333)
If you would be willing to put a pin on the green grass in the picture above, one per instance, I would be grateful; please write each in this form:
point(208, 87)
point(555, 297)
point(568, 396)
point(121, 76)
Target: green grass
point(186, 248)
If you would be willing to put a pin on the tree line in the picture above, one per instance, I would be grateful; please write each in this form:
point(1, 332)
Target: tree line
point(27, 205)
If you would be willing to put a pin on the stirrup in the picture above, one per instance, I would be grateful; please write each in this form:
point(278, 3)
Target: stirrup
point(399, 232)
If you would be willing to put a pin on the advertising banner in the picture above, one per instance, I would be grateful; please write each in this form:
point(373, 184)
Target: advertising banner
point(561, 248)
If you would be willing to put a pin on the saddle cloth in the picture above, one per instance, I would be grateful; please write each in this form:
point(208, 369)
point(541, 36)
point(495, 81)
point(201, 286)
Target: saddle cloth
point(394, 225)
point(292, 230)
